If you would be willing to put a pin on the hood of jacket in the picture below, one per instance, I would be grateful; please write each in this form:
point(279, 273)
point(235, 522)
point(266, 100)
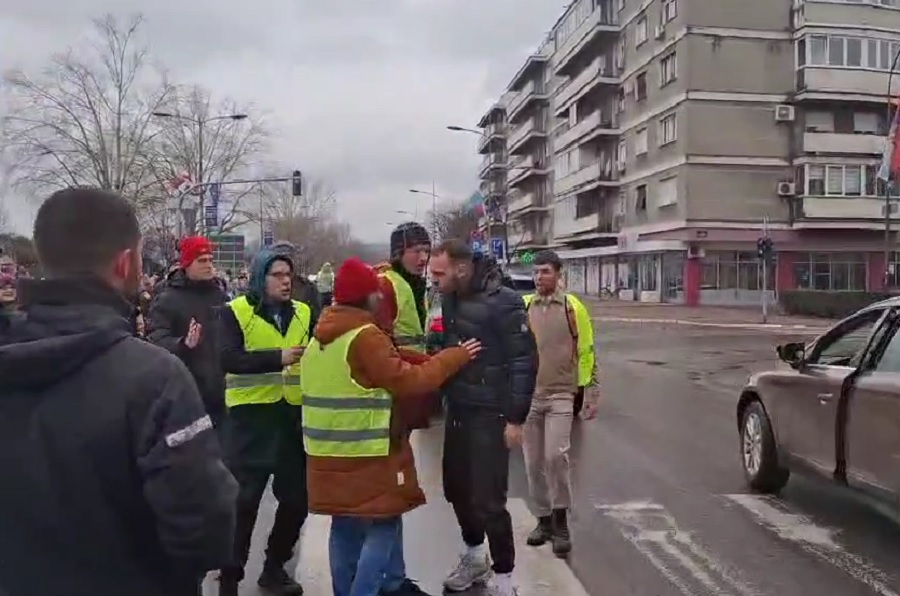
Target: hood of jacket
point(63, 325)
point(179, 280)
point(486, 274)
point(256, 288)
point(338, 320)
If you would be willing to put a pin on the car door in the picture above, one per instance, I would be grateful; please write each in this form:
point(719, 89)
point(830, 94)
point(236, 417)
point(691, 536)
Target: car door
point(810, 412)
point(873, 421)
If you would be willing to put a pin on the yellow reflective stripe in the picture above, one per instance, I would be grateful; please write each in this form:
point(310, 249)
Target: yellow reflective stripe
point(346, 436)
point(260, 380)
point(347, 403)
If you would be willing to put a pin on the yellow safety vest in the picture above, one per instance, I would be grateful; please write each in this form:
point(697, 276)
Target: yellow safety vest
point(340, 417)
point(408, 331)
point(259, 334)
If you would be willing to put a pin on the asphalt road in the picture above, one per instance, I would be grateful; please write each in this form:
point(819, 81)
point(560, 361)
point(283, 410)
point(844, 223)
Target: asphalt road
point(661, 507)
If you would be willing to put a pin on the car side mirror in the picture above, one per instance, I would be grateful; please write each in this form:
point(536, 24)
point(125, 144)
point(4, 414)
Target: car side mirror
point(792, 353)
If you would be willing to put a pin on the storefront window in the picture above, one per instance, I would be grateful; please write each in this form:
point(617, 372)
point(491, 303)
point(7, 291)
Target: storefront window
point(727, 270)
point(649, 270)
point(830, 271)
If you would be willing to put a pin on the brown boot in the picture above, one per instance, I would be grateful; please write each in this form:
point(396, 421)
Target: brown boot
point(542, 532)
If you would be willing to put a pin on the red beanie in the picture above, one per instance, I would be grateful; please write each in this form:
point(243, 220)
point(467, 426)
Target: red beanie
point(192, 248)
point(354, 282)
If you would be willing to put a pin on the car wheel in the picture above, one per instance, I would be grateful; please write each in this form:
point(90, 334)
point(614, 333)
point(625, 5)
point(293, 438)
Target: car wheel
point(759, 454)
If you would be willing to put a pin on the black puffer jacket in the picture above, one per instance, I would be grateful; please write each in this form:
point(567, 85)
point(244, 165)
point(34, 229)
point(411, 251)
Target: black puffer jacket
point(167, 323)
point(502, 377)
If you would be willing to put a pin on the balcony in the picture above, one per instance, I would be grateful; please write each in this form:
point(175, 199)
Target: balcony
point(492, 161)
point(596, 124)
point(597, 24)
point(824, 79)
point(598, 72)
point(588, 177)
point(492, 135)
point(531, 91)
point(523, 167)
point(527, 202)
point(527, 237)
point(831, 142)
point(841, 208)
point(534, 126)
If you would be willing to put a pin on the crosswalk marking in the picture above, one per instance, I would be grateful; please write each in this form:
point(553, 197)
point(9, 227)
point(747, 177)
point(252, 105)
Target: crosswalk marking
point(538, 571)
point(689, 567)
point(814, 539)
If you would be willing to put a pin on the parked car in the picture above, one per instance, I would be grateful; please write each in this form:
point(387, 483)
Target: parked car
point(833, 410)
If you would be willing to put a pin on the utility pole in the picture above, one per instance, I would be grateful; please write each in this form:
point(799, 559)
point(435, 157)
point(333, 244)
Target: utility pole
point(764, 250)
point(201, 225)
point(887, 233)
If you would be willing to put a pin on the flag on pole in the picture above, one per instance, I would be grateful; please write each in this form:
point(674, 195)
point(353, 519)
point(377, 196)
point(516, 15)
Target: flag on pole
point(890, 158)
point(475, 204)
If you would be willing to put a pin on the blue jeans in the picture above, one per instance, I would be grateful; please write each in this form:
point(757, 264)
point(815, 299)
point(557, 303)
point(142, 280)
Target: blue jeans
point(362, 553)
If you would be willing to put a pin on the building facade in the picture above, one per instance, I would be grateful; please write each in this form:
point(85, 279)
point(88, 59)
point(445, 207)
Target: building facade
point(683, 130)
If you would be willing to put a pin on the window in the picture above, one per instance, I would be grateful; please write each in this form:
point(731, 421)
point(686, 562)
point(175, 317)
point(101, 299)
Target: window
point(727, 270)
point(667, 130)
point(640, 194)
point(666, 192)
point(669, 11)
point(640, 87)
point(830, 271)
point(620, 100)
point(640, 142)
point(819, 121)
point(836, 51)
point(851, 52)
point(841, 181)
point(620, 54)
point(640, 31)
point(854, 51)
point(866, 122)
point(845, 345)
point(622, 152)
point(667, 69)
point(818, 49)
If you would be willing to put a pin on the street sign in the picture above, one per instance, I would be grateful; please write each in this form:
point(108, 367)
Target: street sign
point(477, 247)
point(215, 194)
point(210, 216)
point(268, 238)
point(527, 257)
point(497, 247)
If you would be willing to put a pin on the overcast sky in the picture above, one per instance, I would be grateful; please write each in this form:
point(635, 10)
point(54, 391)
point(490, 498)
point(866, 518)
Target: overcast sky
point(358, 92)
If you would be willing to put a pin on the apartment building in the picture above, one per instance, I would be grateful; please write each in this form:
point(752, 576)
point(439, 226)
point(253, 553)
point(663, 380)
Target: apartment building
point(492, 145)
point(681, 126)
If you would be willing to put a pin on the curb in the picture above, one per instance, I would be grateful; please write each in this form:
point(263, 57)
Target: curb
point(772, 326)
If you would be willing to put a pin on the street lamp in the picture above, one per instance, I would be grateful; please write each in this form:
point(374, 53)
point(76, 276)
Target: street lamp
point(434, 198)
point(464, 129)
point(201, 124)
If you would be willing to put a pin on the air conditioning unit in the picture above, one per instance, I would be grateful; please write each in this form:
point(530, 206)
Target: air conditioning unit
point(695, 252)
point(784, 113)
point(660, 32)
point(786, 189)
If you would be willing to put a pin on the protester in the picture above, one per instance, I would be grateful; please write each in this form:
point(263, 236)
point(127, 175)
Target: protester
point(182, 319)
point(115, 483)
point(565, 339)
point(263, 336)
point(487, 404)
point(302, 290)
point(364, 475)
point(325, 284)
point(8, 293)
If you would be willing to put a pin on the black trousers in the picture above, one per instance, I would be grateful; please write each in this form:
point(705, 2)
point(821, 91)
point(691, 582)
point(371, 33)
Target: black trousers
point(476, 481)
point(265, 441)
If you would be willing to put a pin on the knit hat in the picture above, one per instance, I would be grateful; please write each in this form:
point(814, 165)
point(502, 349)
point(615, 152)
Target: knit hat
point(355, 282)
point(406, 235)
point(192, 248)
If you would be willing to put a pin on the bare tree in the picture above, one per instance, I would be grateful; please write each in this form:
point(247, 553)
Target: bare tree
point(210, 141)
point(87, 119)
point(454, 221)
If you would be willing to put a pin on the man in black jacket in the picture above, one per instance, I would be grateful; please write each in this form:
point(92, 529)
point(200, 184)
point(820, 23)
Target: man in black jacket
point(487, 404)
point(114, 477)
point(182, 319)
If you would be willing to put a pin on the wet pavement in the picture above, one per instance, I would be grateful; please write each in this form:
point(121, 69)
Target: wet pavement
point(661, 507)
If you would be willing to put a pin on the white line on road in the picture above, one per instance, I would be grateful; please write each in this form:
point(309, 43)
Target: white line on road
point(775, 327)
point(538, 571)
point(814, 539)
point(672, 551)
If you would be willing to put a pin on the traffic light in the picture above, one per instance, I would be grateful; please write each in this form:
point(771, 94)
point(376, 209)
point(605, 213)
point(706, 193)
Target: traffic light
point(764, 248)
point(297, 183)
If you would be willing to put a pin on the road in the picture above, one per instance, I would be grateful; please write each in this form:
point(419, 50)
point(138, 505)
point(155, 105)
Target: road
point(661, 508)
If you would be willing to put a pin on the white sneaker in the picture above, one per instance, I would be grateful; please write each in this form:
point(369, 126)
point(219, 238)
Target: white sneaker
point(472, 569)
point(501, 586)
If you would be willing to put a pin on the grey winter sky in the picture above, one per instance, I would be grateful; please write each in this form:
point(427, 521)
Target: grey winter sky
point(357, 92)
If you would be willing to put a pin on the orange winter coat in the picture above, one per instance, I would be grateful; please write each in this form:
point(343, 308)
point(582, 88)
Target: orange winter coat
point(376, 486)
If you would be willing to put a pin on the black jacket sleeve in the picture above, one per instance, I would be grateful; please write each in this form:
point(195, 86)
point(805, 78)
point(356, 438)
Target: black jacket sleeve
point(309, 294)
point(161, 325)
point(235, 359)
point(520, 352)
point(185, 482)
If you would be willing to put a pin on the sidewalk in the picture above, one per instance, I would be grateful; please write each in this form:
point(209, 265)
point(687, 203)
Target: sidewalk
point(702, 316)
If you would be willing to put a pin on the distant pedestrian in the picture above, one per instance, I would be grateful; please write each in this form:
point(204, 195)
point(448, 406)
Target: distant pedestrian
point(114, 481)
point(325, 284)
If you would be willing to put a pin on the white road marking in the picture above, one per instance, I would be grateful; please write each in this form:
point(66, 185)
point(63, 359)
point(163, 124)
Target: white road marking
point(673, 552)
point(814, 539)
point(538, 571)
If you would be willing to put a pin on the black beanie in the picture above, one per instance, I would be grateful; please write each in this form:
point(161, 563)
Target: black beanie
point(407, 235)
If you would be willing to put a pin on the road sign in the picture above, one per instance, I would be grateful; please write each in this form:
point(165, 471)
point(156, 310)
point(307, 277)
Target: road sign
point(268, 238)
point(477, 247)
point(527, 257)
point(210, 216)
point(497, 247)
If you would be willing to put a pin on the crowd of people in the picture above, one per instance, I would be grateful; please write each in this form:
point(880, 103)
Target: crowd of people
point(143, 418)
